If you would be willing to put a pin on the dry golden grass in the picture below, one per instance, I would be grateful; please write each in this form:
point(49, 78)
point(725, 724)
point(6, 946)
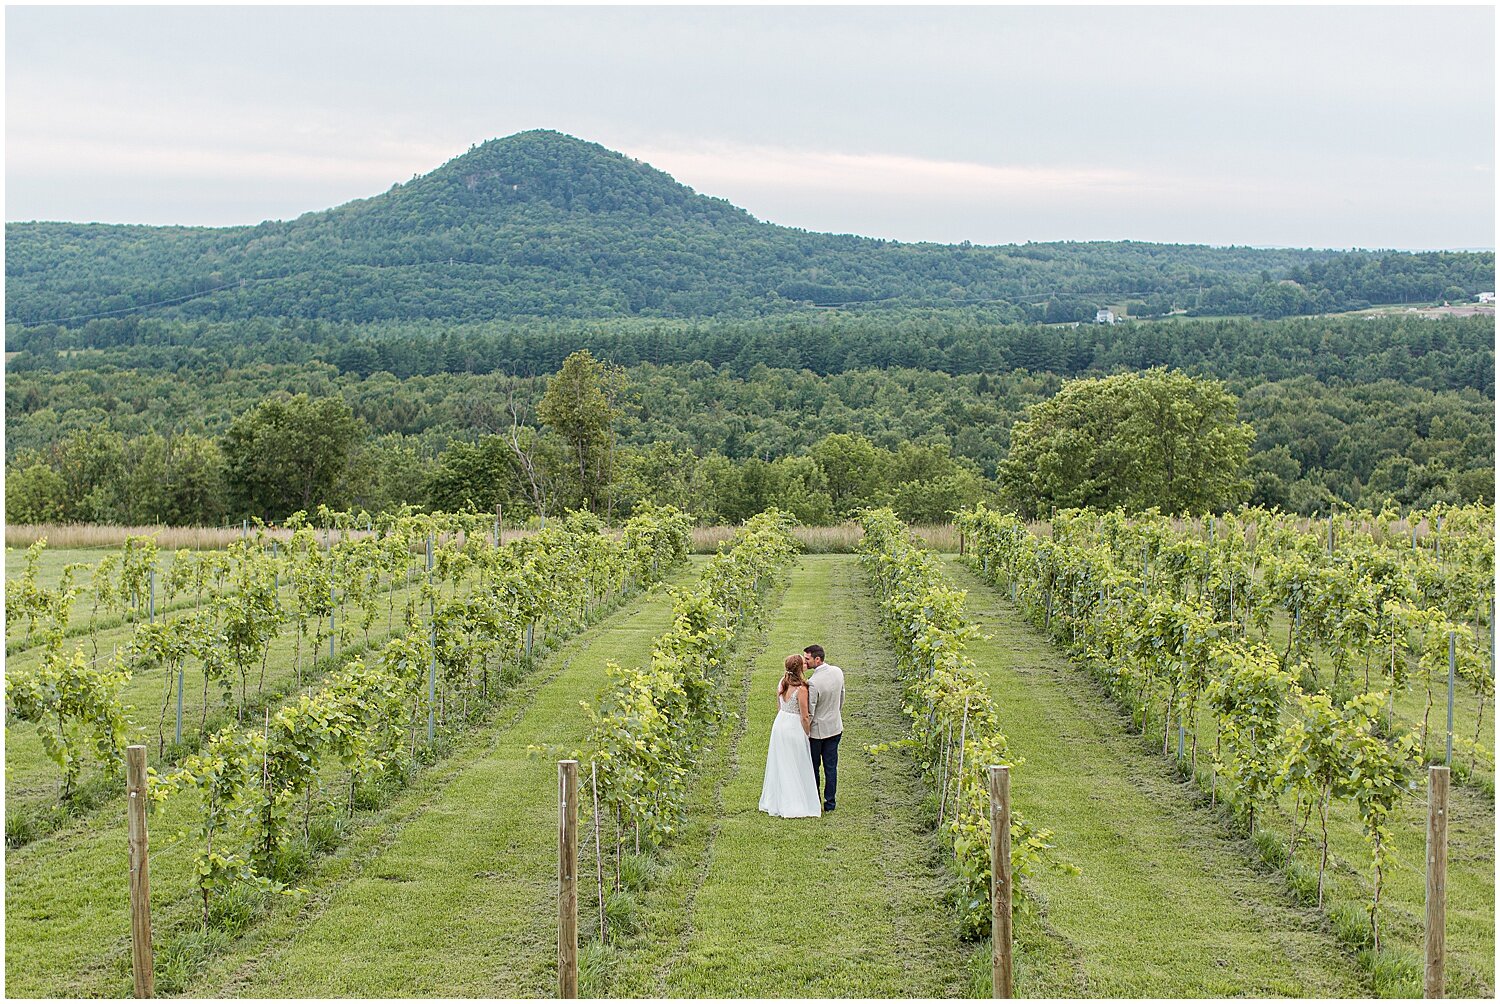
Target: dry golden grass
point(840, 539)
point(73, 535)
point(169, 538)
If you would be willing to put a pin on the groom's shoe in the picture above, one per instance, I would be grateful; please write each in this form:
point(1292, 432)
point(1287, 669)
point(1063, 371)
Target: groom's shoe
point(828, 808)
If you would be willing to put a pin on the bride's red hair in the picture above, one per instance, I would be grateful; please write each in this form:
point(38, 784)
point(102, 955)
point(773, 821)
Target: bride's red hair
point(793, 675)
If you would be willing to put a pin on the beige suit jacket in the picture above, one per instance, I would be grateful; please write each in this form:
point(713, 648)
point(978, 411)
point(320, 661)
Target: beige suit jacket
point(825, 690)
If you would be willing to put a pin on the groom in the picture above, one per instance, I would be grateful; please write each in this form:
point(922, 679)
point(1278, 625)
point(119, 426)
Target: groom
point(825, 685)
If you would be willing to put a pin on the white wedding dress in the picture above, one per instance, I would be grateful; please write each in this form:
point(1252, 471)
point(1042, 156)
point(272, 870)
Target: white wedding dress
point(790, 788)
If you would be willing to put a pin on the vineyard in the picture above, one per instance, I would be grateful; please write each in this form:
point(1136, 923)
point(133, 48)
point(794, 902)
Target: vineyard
point(420, 597)
point(1290, 672)
point(426, 620)
point(1216, 731)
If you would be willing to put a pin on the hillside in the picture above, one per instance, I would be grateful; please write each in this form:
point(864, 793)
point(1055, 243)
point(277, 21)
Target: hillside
point(540, 224)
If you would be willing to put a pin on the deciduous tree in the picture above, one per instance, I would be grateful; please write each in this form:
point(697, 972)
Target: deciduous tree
point(581, 406)
point(1159, 438)
point(290, 454)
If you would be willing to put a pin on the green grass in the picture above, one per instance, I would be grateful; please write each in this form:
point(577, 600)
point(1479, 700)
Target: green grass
point(67, 919)
point(1471, 878)
point(53, 560)
point(459, 898)
point(49, 576)
point(1166, 903)
point(33, 782)
point(1411, 702)
point(847, 905)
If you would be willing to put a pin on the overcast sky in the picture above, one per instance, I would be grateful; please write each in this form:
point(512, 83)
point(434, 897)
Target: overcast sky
point(1326, 127)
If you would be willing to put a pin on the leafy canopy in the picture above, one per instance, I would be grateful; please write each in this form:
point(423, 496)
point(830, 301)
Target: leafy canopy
point(1133, 440)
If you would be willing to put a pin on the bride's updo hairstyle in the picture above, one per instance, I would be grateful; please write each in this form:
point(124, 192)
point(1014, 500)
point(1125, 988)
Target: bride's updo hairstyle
point(793, 675)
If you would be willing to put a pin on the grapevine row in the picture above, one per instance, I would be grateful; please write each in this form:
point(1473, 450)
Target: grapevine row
point(1381, 612)
point(955, 733)
point(651, 722)
point(366, 719)
point(1171, 624)
point(232, 605)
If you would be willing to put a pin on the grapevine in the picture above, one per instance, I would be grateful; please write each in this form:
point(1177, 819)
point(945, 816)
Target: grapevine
point(925, 620)
point(1167, 613)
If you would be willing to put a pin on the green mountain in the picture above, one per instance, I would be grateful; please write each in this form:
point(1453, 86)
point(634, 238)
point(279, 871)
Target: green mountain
point(540, 224)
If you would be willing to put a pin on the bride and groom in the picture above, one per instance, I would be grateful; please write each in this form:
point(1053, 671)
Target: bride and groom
point(805, 737)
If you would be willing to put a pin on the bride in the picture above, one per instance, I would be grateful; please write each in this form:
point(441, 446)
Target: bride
point(790, 788)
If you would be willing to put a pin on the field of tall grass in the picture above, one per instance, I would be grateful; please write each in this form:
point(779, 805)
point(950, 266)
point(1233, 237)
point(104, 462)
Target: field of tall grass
point(839, 539)
point(80, 535)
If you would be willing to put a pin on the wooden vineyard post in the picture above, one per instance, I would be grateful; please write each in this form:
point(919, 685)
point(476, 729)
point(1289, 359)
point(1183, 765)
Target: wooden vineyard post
point(140, 877)
point(1000, 889)
point(1437, 879)
point(567, 879)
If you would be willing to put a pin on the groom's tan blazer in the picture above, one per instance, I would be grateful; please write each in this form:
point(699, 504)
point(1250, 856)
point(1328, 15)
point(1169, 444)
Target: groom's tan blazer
point(825, 690)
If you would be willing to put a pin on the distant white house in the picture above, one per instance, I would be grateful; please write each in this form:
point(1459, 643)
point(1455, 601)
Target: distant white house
point(1486, 297)
point(1108, 316)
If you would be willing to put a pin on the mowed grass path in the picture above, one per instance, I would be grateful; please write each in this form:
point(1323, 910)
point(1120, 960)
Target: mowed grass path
point(1166, 904)
point(846, 905)
point(461, 900)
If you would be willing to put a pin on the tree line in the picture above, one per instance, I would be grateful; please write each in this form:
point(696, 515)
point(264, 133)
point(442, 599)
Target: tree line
point(1443, 354)
point(601, 437)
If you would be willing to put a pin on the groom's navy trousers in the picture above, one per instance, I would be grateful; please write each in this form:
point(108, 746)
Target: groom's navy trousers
point(825, 753)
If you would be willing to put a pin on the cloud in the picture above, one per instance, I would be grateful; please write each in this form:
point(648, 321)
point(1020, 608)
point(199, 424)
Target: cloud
point(204, 163)
point(1250, 199)
point(734, 166)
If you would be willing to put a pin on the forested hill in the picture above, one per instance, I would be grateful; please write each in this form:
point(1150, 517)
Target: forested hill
point(540, 224)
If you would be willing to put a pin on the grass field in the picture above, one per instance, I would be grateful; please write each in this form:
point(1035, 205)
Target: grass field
point(846, 905)
point(448, 887)
point(1035, 686)
point(67, 922)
